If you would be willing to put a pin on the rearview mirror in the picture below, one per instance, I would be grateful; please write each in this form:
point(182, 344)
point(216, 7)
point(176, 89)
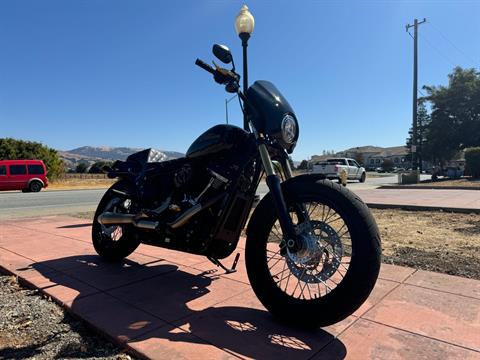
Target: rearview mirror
point(222, 53)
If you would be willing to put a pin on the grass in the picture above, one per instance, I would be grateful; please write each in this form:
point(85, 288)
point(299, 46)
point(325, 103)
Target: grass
point(463, 182)
point(77, 184)
point(431, 240)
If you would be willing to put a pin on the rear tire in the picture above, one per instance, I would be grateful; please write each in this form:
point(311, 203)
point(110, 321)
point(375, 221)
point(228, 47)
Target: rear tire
point(352, 288)
point(108, 247)
point(35, 186)
point(363, 177)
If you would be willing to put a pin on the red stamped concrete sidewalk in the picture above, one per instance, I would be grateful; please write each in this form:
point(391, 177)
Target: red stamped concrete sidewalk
point(424, 198)
point(168, 305)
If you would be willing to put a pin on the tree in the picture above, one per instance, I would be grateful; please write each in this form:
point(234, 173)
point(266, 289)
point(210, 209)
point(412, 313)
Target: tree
point(303, 165)
point(97, 167)
point(81, 168)
point(13, 149)
point(455, 115)
point(387, 164)
point(358, 156)
point(472, 160)
point(423, 122)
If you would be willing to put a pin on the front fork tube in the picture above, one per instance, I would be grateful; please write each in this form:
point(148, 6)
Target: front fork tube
point(273, 183)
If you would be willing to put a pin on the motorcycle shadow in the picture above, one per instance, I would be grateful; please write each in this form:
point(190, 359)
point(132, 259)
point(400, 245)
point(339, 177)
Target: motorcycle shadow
point(158, 295)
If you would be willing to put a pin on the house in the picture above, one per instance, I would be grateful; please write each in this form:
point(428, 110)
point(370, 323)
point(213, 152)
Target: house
point(372, 156)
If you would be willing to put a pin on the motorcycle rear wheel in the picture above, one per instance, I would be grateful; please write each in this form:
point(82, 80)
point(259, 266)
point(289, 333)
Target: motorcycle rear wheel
point(113, 243)
point(329, 280)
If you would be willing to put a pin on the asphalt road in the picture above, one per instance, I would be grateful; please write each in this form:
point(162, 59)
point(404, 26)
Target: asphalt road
point(17, 204)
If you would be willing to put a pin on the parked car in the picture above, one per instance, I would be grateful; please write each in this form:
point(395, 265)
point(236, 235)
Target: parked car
point(332, 169)
point(25, 175)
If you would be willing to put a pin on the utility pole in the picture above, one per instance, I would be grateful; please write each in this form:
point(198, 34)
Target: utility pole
point(415, 89)
point(226, 106)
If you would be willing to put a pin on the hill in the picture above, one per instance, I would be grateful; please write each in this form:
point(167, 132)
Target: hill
point(91, 154)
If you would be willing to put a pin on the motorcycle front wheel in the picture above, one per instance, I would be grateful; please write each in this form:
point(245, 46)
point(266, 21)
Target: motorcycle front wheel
point(337, 266)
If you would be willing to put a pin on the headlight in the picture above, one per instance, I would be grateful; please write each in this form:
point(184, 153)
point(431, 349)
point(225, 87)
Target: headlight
point(289, 129)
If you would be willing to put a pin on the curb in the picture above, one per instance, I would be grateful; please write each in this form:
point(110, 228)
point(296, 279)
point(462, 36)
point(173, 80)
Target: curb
point(423, 208)
point(412, 187)
point(119, 343)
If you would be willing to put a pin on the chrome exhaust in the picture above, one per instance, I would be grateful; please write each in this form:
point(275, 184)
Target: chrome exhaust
point(109, 218)
point(182, 219)
point(195, 209)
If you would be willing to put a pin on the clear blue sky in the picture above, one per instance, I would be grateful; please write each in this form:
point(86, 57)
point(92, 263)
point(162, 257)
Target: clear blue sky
point(121, 73)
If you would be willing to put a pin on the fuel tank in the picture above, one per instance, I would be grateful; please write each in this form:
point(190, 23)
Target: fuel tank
point(218, 139)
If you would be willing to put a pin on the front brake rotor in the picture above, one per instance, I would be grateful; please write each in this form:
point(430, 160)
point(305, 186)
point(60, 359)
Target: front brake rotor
point(322, 257)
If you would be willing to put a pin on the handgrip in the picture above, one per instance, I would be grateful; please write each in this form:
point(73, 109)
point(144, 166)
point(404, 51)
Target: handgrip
point(204, 66)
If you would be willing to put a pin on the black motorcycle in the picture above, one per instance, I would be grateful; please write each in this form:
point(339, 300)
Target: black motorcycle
point(313, 248)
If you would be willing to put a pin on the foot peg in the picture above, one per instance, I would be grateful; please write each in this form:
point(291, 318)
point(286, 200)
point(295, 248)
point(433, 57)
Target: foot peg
point(227, 271)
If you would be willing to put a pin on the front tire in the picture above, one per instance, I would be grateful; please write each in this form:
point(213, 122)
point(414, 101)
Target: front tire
point(113, 243)
point(35, 186)
point(335, 278)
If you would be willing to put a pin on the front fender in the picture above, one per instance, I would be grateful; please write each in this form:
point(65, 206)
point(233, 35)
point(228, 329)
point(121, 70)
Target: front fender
point(287, 186)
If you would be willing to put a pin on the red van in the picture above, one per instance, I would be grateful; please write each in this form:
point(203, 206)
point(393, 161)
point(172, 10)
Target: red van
point(25, 175)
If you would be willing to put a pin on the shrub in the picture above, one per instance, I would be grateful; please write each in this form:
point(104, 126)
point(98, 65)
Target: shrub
point(81, 168)
point(97, 168)
point(472, 161)
point(13, 149)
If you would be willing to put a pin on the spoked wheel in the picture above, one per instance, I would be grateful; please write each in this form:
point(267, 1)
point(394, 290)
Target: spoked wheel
point(337, 264)
point(113, 242)
point(317, 269)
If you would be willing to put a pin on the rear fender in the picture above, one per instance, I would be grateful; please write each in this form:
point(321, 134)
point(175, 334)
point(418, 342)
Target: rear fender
point(35, 179)
point(124, 169)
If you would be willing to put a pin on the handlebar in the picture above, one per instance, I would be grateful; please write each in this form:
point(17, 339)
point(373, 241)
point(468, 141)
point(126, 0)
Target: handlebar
point(222, 76)
point(205, 66)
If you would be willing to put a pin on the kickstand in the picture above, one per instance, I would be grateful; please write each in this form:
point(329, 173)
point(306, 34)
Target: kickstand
point(227, 271)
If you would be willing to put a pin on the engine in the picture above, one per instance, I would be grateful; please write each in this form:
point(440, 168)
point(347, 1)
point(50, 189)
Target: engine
point(170, 189)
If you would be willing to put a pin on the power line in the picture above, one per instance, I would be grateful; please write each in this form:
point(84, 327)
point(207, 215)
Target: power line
point(438, 51)
point(453, 45)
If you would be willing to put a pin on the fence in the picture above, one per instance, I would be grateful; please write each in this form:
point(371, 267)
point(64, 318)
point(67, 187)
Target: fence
point(67, 176)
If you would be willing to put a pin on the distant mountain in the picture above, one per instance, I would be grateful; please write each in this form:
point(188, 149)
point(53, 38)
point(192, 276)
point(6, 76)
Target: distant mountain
point(91, 154)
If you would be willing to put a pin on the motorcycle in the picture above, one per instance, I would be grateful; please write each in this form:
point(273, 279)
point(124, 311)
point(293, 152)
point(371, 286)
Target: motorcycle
point(312, 248)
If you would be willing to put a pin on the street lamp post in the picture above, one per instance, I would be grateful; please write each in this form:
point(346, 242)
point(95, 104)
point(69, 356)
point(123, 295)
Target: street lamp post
point(226, 106)
point(244, 24)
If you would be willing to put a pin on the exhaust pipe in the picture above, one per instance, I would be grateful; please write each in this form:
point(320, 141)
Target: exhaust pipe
point(187, 215)
point(182, 219)
point(110, 218)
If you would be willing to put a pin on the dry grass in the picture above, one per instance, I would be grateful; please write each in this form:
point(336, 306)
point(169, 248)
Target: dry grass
point(77, 184)
point(431, 240)
point(464, 182)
